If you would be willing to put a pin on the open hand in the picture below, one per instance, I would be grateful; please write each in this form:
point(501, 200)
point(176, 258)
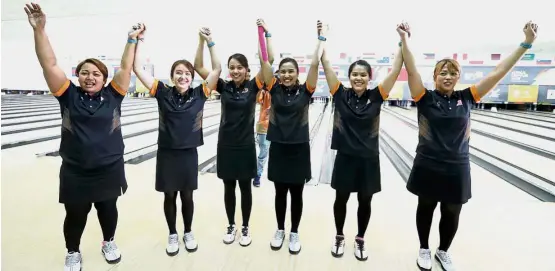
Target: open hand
point(37, 18)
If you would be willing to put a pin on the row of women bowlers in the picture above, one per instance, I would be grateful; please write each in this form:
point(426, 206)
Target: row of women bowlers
point(92, 147)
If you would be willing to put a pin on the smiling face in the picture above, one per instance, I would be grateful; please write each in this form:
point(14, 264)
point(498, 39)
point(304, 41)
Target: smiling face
point(91, 74)
point(446, 75)
point(182, 74)
point(359, 78)
point(238, 67)
point(182, 77)
point(288, 72)
point(360, 74)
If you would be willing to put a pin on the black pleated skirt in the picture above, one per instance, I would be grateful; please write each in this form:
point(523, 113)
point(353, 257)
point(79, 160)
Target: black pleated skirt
point(442, 182)
point(176, 170)
point(236, 162)
point(78, 185)
point(289, 163)
point(356, 174)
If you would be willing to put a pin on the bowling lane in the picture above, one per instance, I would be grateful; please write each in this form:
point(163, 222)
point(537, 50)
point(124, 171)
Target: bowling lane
point(534, 141)
point(495, 116)
point(56, 111)
point(529, 115)
point(485, 185)
point(548, 133)
point(537, 164)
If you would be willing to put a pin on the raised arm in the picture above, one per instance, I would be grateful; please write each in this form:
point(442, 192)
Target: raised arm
point(269, 48)
point(53, 74)
point(415, 80)
point(391, 78)
point(331, 77)
point(204, 36)
point(123, 75)
point(492, 79)
point(211, 79)
point(146, 78)
point(265, 68)
point(312, 76)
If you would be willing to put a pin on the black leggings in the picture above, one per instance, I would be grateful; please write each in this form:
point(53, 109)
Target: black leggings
point(230, 199)
point(296, 191)
point(363, 213)
point(448, 224)
point(76, 219)
point(187, 209)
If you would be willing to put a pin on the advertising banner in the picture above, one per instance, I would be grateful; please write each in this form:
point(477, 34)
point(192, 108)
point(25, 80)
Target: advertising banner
point(473, 74)
point(546, 95)
point(522, 94)
point(498, 94)
point(525, 75)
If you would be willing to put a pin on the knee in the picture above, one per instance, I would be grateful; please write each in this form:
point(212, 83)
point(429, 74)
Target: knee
point(449, 209)
point(424, 203)
point(341, 198)
point(364, 200)
point(170, 197)
point(186, 196)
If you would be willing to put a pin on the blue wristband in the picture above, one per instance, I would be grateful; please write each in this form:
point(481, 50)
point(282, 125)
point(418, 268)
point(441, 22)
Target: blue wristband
point(268, 35)
point(526, 45)
point(322, 38)
point(131, 40)
point(210, 44)
point(400, 43)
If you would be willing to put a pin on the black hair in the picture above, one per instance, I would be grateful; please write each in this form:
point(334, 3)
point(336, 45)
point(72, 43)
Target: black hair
point(363, 63)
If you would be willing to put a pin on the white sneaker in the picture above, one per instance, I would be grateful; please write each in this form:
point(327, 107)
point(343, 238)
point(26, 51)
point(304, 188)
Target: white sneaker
point(73, 261)
point(246, 239)
point(230, 234)
point(277, 241)
point(294, 243)
point(338, 247)
point(424, 260)
point(190, 242)
point(173, 245)
point(444, 259)
point(360, 250)
point(111, 252)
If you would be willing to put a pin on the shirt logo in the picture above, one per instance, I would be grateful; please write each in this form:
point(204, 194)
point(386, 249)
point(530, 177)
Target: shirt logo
point(245, 90)
point(459, 103)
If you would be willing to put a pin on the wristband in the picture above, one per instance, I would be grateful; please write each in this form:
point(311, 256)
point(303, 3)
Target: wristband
point(130, 40)
point(526, 45)
point(322, 38)
point(268, 35)
point(210, 44)
point(400, 43)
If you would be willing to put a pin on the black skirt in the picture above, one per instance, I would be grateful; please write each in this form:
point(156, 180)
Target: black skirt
point(289, 163)
point(78, 185)
point(176, 170)
point(438, 181)
point(236, 162)
point(356, 174)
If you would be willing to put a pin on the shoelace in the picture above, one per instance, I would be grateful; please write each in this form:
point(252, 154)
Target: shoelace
point(339, 241)
point(72, 259)
point(245, 231)
point(293, 238)
point(173, 239)
point(360, 244)
point(230, 229)
point(445, 257)
point(425, 254)
point(279, 235)
point(110, 247)
point(189, 237)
